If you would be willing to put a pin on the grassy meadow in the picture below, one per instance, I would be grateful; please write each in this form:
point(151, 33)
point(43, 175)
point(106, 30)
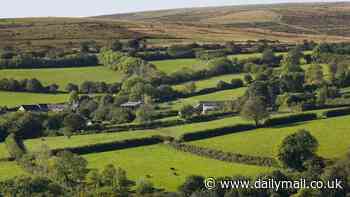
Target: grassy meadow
point(170, 66)
point(216, 96)
point(12, 99)
point(10, 170)
point(79, 140)
point(156, 162)
point(212, 82)
point(332, 135)
point(63, 76)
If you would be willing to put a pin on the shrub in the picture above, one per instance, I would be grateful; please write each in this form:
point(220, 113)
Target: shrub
point(78, 60)
point(15, 146)
point(144, 187)
point(216, 132)
point(290, 119)
point(236, 83)
point(297, 148)
point(225, 156)
point(26, 85)
point(222, 85)
point(336, 112)
point(115, 145)
point(181, 51)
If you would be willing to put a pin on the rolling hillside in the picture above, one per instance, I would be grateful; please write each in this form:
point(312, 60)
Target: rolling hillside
point(282, 21)
point(285, 22)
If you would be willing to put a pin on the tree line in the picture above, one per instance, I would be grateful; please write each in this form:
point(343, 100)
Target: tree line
point(27, 85)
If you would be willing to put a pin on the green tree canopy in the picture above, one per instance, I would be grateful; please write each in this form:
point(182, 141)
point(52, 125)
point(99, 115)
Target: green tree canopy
point(297, 148)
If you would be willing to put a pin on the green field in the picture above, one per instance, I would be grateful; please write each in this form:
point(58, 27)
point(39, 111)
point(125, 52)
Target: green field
point(332, 134)
point(216, 96)
point(212, 82)
point(250, 55)
point(9, 170)
point(12, 99)
point(156, 161)
point(176, 131)
point(170, 66)
point(63, 76)
point(79, 140)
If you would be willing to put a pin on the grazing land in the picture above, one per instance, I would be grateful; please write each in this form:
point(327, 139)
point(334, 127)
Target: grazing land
point(170, 66)
point(9, 170)
point(217, 96)
point(156, 162)
point(63, 76)
point(79, 140)
point(332, 135)
point(273, 91)
point(212, 82)
point(12, 99)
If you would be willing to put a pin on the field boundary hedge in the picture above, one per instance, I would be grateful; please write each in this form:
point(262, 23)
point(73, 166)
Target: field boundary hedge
point(169, 123)
point(199, 135)
point(216, 132)
point(336, 112)
point(294, 118)
point(114, 145)
point(225, 156)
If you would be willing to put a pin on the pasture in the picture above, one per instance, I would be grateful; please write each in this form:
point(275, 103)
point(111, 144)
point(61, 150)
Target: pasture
point(63, 76)
point(10, 170)
point(78, 140)
point(81, 140)
point(212, 82)
point(12, 99)
point(171, 66)
point(216, 96)
point(156, 162)
point(331, 133)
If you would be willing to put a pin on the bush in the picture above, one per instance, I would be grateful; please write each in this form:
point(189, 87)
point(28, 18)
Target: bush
point(216, 132)
point(222, 85)
point(225, 156)
point(181, 51)
point(26, 85)
point(115, 145)
point(336, 112)
point(15, 146)
point(236, 83)
point(78, 60)
point(290, 119)
point(144, 187)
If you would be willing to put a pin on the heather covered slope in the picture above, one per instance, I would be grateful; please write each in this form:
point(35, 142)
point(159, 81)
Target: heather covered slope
point(284, 22)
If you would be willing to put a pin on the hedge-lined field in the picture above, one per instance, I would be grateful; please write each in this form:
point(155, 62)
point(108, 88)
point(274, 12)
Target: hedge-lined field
point(170, 66)
point(63, 76)
point(217, 96)
point(156, 161)
point(9, 170)
point(258, 55)
point(12, 99)
point(174, 131)
point(324, 67)
point(333, 135)
point(177, 131)
point(212, 82)
point(79, 140)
